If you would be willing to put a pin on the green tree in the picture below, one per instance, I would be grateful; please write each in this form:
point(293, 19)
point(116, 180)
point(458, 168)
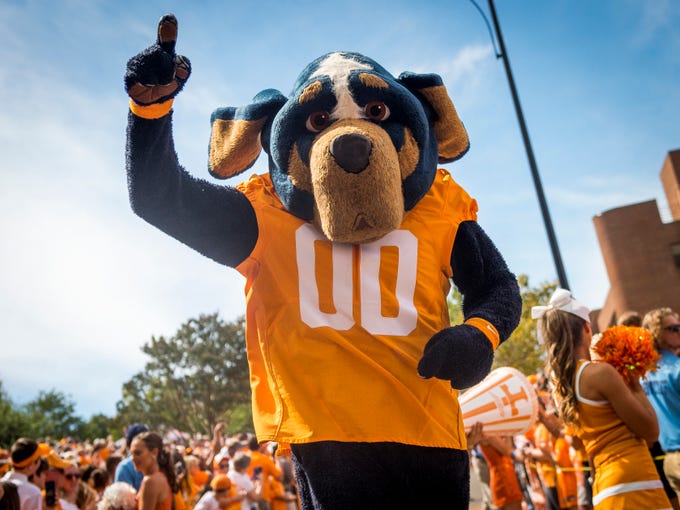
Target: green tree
point(455, 303)
point(193, 379)
point(52, 414)
point(100, 426)
point(239, 419)
point(13, 422)
point(521, 350)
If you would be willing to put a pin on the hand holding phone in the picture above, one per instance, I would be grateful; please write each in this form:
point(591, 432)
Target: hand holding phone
point(50, 493)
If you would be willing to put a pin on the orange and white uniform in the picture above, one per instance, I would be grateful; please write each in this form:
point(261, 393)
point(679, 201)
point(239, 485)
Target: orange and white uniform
point(625, 476)
point(335, 331)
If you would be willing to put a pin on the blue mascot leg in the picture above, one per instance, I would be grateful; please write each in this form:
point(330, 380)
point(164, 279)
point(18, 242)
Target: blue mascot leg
point(335, 475)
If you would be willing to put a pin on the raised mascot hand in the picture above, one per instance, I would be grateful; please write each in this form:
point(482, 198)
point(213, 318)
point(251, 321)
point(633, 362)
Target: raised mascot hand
point(157, 74)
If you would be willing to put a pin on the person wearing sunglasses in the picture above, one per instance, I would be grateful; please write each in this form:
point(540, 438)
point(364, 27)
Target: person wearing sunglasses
point(68, 491)
point(663, 389)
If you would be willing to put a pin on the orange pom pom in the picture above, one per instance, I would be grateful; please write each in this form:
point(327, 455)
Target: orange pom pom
point(629, 349)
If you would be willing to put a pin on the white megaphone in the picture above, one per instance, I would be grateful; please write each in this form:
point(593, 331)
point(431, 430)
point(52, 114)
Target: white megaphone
point(505, 402)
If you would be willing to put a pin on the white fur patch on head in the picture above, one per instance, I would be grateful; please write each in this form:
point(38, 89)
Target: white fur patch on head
point(338, 68)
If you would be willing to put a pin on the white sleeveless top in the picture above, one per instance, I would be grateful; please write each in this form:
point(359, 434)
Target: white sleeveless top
point(578, 390)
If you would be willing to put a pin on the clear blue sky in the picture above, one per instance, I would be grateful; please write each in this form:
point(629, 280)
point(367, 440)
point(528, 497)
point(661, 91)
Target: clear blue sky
point(85, 283)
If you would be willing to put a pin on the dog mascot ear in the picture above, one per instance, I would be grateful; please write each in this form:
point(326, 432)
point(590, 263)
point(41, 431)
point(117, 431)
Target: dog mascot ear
point(452, 138)
point(348, 244)
point(235, 139)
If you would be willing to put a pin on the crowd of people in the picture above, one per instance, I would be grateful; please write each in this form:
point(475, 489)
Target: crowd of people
point(543, 468)
point(603, 439)
point(146, 470)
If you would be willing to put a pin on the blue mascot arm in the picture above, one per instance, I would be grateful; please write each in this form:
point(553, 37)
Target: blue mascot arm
point(217, 221)
point(462, 354)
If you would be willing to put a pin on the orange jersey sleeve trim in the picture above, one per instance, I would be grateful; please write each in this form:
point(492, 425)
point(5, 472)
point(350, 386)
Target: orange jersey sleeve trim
point(487, 328)
point(152, 111)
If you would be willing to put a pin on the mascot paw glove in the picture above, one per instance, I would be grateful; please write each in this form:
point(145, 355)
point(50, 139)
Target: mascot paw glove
point(461, 354)
point(157, 74)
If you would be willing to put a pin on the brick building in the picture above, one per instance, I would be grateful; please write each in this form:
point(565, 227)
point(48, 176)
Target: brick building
point(641, 253)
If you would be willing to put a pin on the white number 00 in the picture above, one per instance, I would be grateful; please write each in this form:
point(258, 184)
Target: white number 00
point(372, 319)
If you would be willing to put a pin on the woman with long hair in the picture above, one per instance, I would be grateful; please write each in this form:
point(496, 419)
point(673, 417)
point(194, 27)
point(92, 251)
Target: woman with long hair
point(9, 496)
point(151, 459)
point(613, 419)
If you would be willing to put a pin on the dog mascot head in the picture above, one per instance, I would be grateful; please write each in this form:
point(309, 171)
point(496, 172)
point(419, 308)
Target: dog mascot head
point(351, 150)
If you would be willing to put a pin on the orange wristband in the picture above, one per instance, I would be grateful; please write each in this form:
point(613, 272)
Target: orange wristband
point(487, 328)
point(152, 111)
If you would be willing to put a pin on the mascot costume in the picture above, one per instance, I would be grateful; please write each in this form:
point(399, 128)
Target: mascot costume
point(348, 246)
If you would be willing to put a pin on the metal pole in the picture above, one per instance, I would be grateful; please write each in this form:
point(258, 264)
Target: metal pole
point(530, 154)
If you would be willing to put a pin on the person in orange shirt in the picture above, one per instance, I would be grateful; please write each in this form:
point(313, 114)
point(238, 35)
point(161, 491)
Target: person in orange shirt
point(567, 489)
point(555, 445)
point(223, 495)
point(535, 483)
point(196, 479)
point(506, 492)
point(264, 467)
point(280, 498)
point(152, 460)
point(584, 489)
point(100, 452)
point(541, 454)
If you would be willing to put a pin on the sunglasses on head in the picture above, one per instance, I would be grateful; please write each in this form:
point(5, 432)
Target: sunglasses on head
point(72, 476)
point(675, 328)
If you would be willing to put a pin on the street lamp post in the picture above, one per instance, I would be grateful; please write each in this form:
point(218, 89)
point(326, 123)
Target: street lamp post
point(530, 155)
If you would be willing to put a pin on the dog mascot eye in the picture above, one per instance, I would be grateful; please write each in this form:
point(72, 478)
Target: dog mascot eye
point(377, 110)
point(318, 121)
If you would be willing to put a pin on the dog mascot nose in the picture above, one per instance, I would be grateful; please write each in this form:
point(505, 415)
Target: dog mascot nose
point(352, 152)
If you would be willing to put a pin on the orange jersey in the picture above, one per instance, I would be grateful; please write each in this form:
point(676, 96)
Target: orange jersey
point(269, 469)
point(179, 503)
point(200, 478)
point(625, 476)
point(334, 332)
point(279, 500)
point(505, 488)
point(544, 440)
point(567, 487)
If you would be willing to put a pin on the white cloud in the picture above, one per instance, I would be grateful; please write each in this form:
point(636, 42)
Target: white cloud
point(85, 282)
point(660, 16)
point(467, 62)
